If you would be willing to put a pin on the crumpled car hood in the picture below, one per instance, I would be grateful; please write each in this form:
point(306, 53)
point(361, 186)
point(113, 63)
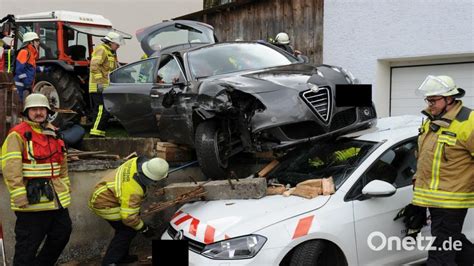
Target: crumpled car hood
point(294, 76)
point(232, 218)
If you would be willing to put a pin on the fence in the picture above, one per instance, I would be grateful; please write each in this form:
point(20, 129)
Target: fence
point(10, 106)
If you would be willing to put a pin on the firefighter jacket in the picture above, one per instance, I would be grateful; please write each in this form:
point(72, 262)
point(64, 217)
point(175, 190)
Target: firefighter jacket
point(445, 169)
point(28, 153)
point(25, 67)
point(103, 61)
point(118, 195)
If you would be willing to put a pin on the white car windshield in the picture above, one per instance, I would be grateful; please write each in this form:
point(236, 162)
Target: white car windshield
point(233, 57)
point(321, 160)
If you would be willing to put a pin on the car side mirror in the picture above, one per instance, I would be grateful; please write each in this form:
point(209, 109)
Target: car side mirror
point(378, 188)
point(169, 99)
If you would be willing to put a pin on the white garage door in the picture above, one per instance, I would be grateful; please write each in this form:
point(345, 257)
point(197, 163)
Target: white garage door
point(406, 79)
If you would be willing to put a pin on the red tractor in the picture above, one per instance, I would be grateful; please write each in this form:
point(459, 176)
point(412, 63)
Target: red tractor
point(67, 41)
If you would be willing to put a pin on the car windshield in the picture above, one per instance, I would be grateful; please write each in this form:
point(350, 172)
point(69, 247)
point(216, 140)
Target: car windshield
point(232, 57)
point(324, 159)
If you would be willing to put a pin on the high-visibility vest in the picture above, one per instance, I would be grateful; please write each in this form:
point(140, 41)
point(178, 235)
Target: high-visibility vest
point(445, 168)
point(41, 156)
point(103, 61)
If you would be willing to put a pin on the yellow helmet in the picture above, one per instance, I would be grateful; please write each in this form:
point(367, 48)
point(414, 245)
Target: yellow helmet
point(155, 169)
point(440, 86)
point(36, 100)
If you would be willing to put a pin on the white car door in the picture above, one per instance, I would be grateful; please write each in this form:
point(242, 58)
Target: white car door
point(378, 236)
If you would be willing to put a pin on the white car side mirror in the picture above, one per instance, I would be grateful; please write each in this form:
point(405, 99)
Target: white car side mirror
point(379, 188)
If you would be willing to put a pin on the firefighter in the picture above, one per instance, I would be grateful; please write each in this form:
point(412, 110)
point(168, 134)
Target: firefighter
point(282, 40)
point(103, 61)
point(25, 66)
point(117, 199)
point(35, 171)
point(444, 180)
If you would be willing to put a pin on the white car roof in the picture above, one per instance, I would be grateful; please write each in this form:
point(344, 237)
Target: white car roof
point(66, 16)
point(392, 129)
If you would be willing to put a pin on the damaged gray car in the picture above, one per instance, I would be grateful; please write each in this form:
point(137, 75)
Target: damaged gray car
point(226, 98)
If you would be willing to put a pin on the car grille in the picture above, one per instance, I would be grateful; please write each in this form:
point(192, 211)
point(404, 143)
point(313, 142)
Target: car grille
point(343, 119)
point(320, 102)
point(194, 246)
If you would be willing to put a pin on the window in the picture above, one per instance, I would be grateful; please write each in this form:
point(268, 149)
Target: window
point(396, 166)
point(169, 71)
point(140, 72)
point(321, 160)
point(77, 45)
point(47, 33)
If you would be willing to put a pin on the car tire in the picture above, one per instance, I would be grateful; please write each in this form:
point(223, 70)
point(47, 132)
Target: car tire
point(65, 91)
point(310, 253)
point(207, 151)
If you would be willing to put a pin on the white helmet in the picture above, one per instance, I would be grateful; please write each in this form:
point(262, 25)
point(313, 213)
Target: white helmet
point(30, 36)
point(36, 100)
point(155, 169)
point(282, 38)
point(439, 86)
point(114, 37)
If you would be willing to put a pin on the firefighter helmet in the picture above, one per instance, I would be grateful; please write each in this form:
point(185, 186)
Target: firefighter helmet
point(36, 100)
point(282, 38)
point(114, 37)
point(30, 36)
point(440, 86)
point(155, 169)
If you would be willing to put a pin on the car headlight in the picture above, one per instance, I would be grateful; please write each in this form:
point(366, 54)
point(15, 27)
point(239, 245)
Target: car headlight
point(244, 247)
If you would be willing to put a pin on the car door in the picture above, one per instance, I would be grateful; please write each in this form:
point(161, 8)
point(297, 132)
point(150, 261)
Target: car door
point(377, 234)
point(128, 97)
point(174, 121)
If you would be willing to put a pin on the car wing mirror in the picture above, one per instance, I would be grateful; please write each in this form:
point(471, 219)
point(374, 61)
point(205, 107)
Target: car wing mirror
point(378, 188)
point(169, 98)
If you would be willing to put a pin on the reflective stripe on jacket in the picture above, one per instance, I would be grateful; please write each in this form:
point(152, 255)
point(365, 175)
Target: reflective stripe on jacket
point(25, 66)
point(103, 61)
point(445, 170)
point(22, 160)
point(118, 196)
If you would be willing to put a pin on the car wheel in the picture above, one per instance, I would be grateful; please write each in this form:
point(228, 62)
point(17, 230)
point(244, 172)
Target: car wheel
point(211, 150)
point(63, 91)
point(317, 252)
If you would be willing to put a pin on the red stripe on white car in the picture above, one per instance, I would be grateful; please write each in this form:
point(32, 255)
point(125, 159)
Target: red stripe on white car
point(303, 226)
point(176, 215)
point(183, 219)
point(193, 227)
point(209, 235)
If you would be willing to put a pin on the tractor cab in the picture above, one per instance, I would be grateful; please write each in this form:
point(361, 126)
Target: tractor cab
point(67, 41)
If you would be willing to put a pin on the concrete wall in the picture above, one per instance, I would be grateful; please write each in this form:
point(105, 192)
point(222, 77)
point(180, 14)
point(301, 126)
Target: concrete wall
point(128, 16)
point(367, 36)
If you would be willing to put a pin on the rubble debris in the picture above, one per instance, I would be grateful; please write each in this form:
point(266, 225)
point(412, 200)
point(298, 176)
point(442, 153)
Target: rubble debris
point(328, 186)
point(173, 153)
point(268, 168)
point(275, 189)
point(76, 155)
point(182, 198)
point(249, 188)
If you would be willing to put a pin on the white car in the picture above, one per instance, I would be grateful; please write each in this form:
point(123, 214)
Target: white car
point(354, 226)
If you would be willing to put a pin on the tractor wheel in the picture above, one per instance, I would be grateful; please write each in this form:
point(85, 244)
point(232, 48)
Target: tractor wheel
point(211, 150)
point(63, 91)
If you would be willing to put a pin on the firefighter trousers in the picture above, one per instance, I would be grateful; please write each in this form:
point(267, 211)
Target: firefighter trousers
point(32, 228)
point(100, 116)
point(120, 244)
point(446, 226)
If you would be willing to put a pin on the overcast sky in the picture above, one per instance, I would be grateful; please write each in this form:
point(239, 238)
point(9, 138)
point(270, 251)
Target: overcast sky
point(126, 15)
